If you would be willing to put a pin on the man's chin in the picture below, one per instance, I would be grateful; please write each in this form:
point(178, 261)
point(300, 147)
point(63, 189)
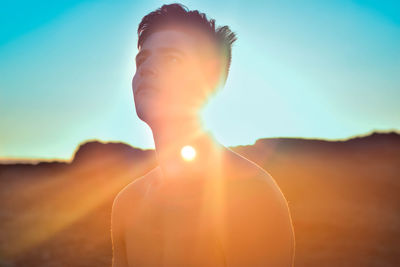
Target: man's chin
point(154, 118)
point(151, 118)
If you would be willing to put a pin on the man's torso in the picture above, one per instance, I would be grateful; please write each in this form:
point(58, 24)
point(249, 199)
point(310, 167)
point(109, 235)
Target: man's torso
point(169, 227)
point(168, 230)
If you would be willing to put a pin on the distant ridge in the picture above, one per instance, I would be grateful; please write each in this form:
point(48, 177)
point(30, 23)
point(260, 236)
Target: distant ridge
point(375, 138)
point(392, 135)
point(95, 148)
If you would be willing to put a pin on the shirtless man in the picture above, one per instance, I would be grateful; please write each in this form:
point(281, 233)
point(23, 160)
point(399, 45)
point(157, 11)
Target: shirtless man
point(204, 205)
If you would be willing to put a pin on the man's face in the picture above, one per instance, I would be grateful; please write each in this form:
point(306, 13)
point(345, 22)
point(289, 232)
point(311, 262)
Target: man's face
point(173, 74)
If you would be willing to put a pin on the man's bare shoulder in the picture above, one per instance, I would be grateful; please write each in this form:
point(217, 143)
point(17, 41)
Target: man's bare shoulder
point(252, 184)
point(137, 189)
point(245, 170)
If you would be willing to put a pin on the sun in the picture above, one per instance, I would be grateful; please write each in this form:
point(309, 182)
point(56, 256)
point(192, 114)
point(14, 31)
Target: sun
point(188, 153)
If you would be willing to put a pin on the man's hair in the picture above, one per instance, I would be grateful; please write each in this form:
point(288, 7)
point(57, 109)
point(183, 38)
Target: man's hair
point(178, 14)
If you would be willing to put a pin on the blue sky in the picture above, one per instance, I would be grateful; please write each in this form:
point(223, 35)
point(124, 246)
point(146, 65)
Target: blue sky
point(312, 69)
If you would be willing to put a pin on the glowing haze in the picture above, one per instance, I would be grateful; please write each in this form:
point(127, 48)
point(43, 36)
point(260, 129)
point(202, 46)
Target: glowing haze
point(313, 69)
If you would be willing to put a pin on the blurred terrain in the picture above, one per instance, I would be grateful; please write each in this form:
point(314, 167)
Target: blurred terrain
point(344, 197)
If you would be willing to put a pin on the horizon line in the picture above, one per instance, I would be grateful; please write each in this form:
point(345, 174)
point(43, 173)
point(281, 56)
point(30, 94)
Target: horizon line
point(11, 160)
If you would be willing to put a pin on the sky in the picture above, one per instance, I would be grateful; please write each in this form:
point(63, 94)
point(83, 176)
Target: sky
point(310, 69)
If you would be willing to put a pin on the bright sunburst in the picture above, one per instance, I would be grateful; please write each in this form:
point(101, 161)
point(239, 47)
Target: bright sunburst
point(188, 153)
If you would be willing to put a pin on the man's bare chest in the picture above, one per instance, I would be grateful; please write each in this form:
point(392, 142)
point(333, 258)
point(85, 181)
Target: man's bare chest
point(173, 232)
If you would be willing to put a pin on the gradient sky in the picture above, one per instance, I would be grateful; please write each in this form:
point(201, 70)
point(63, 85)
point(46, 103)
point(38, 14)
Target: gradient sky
point(313, 69)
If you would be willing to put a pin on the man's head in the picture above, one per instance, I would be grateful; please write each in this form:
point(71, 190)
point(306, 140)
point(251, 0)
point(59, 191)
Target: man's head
point(182, 59)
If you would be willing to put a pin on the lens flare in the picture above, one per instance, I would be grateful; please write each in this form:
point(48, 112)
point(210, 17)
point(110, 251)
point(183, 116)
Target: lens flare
point(188, 153)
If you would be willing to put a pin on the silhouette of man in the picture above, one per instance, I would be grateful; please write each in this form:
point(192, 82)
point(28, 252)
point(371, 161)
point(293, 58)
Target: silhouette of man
point(204, 205)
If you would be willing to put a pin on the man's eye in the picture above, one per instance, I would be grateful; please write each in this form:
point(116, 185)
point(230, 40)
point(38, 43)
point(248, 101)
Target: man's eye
point(171, 59)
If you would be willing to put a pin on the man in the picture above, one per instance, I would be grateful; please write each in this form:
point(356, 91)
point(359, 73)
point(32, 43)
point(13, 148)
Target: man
point(204, 205)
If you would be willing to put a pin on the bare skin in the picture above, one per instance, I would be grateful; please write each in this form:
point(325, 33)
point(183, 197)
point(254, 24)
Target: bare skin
point(240, 220)
point(219, 209)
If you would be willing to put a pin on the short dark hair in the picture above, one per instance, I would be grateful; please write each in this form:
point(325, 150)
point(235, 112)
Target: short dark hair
point(176, 13)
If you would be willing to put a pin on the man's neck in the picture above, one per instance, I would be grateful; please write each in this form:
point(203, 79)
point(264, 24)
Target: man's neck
point(170, 137)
